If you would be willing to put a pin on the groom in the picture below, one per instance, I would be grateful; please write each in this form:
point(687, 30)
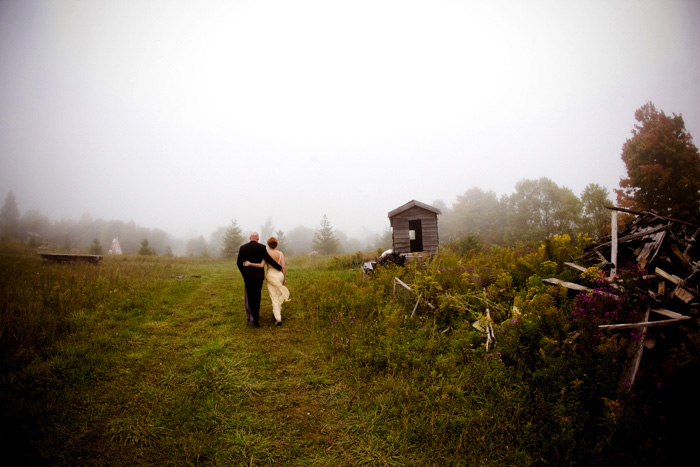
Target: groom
point(253, 277)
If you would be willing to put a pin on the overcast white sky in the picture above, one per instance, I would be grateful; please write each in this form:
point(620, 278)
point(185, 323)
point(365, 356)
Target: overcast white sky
point(184, 115)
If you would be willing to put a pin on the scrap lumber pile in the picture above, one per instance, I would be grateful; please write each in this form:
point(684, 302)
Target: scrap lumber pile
point(667, 249)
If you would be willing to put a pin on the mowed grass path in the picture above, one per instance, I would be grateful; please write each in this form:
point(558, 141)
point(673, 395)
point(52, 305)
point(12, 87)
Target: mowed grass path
point(184, 381)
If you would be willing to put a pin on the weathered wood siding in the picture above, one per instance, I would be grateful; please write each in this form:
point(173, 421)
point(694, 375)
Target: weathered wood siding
point(429, 226)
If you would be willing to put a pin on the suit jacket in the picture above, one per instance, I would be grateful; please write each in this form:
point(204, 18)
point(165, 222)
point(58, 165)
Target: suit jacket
point(254, 252)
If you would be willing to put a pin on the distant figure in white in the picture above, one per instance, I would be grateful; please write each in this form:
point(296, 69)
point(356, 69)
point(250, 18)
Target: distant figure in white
point(275, 279)
point(115, 249)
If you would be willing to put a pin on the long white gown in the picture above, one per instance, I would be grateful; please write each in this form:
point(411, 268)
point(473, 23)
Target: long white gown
point(278, 292)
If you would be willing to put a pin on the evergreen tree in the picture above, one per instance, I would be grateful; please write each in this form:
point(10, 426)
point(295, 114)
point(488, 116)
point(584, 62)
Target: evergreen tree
point(383, 241)
point(146, 250)
point(267, 230)
point(282, 242)
point(233, 239)
point(663, 166)
point(9, 217)
point(96, 247)
point(325, 240)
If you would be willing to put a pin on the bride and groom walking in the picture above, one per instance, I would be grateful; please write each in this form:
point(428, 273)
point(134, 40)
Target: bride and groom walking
point(252, 258)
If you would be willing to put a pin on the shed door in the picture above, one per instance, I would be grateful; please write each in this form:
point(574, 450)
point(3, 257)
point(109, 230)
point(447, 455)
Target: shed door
point(415, 234)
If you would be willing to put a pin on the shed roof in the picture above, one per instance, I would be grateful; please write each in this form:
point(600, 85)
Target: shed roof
point(411, 204)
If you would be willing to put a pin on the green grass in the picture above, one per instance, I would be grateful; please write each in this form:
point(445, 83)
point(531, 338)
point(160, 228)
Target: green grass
point(148, 361)
point(149, 365)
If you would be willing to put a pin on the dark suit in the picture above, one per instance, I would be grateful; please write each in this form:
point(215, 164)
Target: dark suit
point(253, 277)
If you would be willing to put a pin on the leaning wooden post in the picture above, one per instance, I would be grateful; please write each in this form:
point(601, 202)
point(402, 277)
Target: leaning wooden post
point(634, 358)
point(613, 249)
point(416, 307)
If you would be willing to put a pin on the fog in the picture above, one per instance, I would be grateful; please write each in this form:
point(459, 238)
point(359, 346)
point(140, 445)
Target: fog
point(184, 115)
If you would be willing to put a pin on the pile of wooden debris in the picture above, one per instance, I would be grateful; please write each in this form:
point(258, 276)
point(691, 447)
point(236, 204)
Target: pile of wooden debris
point(667, 249)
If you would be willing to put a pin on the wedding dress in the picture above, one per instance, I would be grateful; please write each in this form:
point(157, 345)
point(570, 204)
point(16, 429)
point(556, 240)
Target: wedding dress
point(278, 292)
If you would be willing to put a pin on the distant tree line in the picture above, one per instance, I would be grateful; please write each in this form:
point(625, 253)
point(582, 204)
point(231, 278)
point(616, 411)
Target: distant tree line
point(85, 235)
point(663, 175)
point(537, 209)
point(95, 236)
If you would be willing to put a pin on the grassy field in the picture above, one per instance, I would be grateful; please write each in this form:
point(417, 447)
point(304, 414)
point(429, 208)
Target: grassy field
point(148, 361)
point(159, 368)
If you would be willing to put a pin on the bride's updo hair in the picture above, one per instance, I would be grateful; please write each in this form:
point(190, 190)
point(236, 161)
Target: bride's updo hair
point(272, 242)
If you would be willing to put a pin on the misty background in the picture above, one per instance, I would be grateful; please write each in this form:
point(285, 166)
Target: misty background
point(174, 118)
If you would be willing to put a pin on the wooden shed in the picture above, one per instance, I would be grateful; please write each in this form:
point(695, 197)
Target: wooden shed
point(414, 228)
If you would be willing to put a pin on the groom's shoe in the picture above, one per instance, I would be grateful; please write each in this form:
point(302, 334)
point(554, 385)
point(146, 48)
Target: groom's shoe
point(256, 325)
point(279, 323)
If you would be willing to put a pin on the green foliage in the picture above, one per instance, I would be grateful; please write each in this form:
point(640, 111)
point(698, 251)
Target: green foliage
point(282, 244)
point(595, 220)
point(146, 250)
point(476, 213)
point(9, 217)
point(325, 241)
point(233, 239)
point(663, 166)
point(267, 230)
point(384, 240)
point(148, 360)
point(96, 247)
point(469, 243)
point(540, 208)
point(559, 249)
point(168, 252)
point(353, 261)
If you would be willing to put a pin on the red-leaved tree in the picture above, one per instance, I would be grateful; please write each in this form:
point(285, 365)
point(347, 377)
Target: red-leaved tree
point(663, 167)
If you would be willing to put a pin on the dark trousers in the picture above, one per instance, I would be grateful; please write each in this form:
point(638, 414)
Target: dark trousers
point(253, 288)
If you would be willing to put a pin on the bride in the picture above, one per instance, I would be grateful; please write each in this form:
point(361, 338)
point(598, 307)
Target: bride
point(275, 279)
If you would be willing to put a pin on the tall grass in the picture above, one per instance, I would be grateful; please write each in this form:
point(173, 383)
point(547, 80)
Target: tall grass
point(546, 392)
point(147, 361)
point(41, 302)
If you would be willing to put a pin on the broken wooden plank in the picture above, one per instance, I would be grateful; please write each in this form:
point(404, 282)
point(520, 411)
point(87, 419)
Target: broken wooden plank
point(642, 324)
point(691, 242)
point(662, 288)
point(634, 357)
point(652, 231)
point(669, 313)
point(416, 307)
point(649, 213)
point(634, 235)
point(653, 249)
point(408, 287)
point(568, 285)
point(681, 292)
point(403, 284)
point(684, 259)
point(576, 266)
point(669, 277)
